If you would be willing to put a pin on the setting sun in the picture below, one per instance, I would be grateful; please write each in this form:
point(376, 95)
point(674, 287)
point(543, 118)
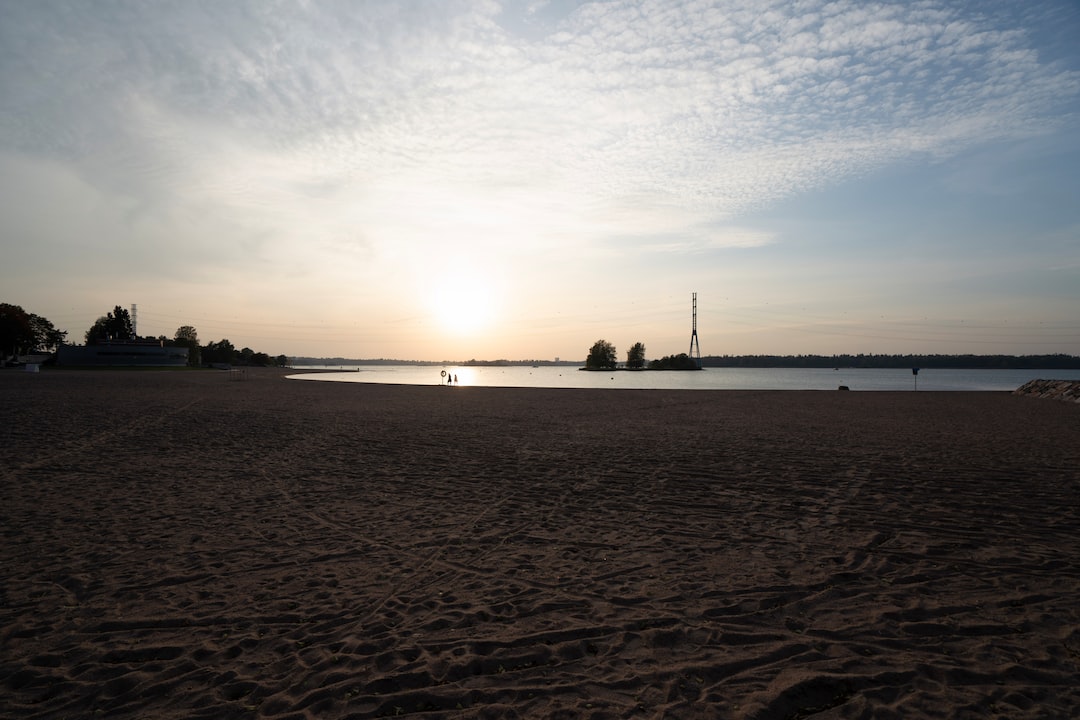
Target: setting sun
point(463, 301)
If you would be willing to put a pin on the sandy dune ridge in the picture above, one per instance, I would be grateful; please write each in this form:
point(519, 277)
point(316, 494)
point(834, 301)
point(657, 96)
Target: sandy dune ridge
point(179, 545)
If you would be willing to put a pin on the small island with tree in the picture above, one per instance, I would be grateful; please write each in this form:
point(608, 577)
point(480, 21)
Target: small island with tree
point(603, 356)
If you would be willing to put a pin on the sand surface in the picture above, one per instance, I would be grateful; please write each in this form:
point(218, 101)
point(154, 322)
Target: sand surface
point(178, 545)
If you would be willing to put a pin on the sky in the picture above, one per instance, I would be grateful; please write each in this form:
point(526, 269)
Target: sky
point(450, 179)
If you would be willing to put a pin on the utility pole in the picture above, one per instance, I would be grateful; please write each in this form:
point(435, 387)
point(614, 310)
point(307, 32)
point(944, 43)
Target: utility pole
point(695, 349)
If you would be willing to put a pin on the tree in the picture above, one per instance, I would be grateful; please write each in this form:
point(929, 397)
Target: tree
point(46, 337)
point(601, 356)
point(186, 336)
point(23, 332)
point(186, 333)
point(635, 356)
point(16, 332)
point(115, 325)
point(219, 352)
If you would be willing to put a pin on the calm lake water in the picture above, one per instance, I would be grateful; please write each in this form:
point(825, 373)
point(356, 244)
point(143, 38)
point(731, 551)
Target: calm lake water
point(707, 379)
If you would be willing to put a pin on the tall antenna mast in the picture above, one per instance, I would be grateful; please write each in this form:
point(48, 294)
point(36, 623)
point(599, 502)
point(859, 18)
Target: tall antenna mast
point(695, 349)
point(134, 322)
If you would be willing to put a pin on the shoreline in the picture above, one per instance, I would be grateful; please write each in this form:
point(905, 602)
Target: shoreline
point(178, 545)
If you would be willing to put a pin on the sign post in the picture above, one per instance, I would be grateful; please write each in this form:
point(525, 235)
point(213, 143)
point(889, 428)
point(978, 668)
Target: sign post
point(915, 372)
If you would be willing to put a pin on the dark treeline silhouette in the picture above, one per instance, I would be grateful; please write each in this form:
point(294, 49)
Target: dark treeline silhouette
point(22, 332)
point(682, 361)
point(392, 361)
point(967, 362)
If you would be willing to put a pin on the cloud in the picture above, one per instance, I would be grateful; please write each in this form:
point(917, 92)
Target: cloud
point(352, 125)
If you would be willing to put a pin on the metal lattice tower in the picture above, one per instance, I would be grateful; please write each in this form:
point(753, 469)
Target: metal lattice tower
point(134, 321)
point(695, 349)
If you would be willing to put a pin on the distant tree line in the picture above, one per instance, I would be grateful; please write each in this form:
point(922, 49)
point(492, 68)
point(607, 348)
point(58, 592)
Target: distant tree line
point(501, 362)
point(222, 352)
point(682, 361)
point(23, 333)
point(966, 362)
point(602, 356)
point(117, 326)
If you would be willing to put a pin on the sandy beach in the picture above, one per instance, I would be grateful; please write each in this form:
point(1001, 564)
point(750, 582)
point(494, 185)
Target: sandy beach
point(180, 545)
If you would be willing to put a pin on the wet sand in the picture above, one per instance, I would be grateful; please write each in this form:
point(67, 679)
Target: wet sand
point(180, 545)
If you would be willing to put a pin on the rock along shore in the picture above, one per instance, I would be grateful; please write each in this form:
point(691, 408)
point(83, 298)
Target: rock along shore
point(1068, 390)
